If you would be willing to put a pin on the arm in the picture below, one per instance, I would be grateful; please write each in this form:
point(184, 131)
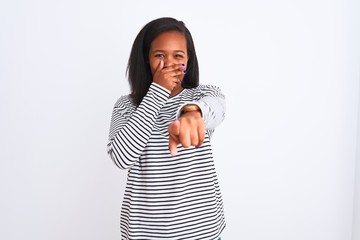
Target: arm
point(211, 102)
point(129, 133)
point(212, 109)
point(189, 129)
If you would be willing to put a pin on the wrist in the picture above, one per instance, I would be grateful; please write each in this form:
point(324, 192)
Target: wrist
point(190, 108)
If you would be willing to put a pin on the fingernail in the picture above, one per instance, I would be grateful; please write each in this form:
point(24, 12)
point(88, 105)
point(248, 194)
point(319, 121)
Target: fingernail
point(172, 152)
point(182, 64)
point(184, 71)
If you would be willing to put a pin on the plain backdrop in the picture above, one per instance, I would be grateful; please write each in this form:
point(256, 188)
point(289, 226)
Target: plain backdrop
point(285, 155)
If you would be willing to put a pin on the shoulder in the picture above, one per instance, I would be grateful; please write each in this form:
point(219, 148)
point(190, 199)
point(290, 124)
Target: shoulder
point(124, 102)
point(208, 87)
point(206, 90)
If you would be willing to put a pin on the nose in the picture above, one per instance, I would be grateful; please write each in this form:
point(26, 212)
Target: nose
point(169, 61)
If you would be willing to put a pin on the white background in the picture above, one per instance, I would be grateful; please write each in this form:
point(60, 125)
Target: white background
point(285, 155)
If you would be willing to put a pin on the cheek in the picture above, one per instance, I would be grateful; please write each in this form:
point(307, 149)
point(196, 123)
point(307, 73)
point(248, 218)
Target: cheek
point(153, 66)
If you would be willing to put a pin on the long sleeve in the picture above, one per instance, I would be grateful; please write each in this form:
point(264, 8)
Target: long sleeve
point(211, 101)
point(131, 128)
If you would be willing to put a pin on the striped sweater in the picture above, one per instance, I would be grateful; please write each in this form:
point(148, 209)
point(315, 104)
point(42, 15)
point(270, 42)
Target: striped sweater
point(167, 197)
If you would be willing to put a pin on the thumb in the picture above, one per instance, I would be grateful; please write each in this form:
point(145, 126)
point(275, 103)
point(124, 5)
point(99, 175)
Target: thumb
point(174, 129)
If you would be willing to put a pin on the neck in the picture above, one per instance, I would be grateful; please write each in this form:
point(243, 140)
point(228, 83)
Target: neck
point(176, 91)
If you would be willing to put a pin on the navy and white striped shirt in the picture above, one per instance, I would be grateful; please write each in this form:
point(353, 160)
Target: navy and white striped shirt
point(167, 197)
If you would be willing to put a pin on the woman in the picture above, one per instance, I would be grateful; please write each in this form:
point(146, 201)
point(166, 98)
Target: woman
point(160, 133)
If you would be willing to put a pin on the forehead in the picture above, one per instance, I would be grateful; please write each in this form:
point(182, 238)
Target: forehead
point(169, 41)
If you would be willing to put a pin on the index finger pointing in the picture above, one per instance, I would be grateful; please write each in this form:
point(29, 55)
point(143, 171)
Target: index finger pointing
point(174, 129)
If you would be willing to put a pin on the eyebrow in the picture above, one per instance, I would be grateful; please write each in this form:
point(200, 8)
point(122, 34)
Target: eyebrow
point(165, 51)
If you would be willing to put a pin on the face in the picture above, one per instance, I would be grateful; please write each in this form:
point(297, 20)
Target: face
point(171, 48)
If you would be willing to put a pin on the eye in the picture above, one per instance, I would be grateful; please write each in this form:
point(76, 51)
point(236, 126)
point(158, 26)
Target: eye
point(179, 56)
point(159, 55)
